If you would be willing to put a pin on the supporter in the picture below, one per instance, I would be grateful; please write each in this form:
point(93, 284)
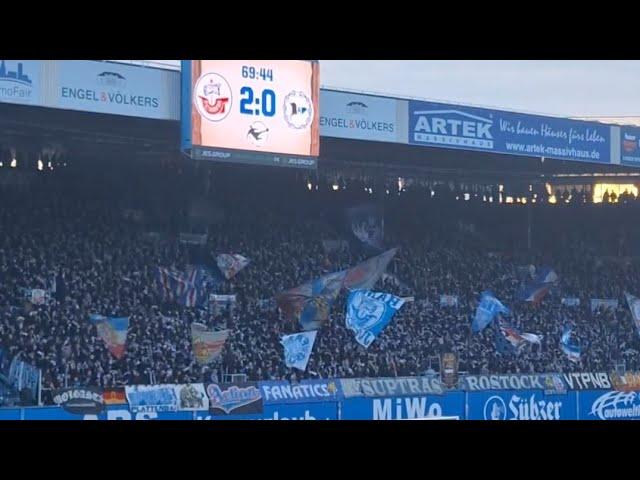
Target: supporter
point(66, 233)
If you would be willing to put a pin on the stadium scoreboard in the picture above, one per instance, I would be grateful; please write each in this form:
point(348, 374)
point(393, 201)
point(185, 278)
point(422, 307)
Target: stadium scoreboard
point(260, 112)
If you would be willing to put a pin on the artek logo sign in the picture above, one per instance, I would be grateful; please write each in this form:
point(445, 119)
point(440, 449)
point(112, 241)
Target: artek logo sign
point(452, 127)
point(521, 408)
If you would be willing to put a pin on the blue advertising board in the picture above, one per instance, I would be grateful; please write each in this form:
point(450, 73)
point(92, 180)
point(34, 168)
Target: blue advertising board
point(291, 411)
point(10, 414)
point(115, 412)
point(403, 408)
point(630, 146)
point(609, 405)
point(472, 128)
point(307, 391)
point(520, 405)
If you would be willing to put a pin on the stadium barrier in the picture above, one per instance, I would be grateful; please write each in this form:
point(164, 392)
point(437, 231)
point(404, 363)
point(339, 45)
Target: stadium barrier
point(490, 405)
point(576, 396)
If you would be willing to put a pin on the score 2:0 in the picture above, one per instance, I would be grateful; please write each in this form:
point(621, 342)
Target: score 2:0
point(267, 102)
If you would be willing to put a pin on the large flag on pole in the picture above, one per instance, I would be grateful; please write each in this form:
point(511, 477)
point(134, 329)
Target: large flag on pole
point(572, 350)
point(488, 308)
point(185, 288)
point(231, 264)
point(365, 275)
point(297, 349)
point(634, 306)
point(311, 302)
point(536, 290)
point(369, 312)
point(366, 222)
point(207, 345)
point(113, 332)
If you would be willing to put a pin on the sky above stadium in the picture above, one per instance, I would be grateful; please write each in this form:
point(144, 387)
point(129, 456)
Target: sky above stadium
point(567, 88)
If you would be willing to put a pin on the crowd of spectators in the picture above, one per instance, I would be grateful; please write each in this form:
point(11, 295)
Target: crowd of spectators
point(68, 232)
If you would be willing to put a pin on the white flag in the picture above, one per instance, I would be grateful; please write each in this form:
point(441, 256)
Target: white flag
point(634, 306)
point(297, 349)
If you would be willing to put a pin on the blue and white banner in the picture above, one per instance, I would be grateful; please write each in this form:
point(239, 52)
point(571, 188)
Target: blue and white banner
point(24, 375)
point(298, 348)
point(404, 408)
point(304, 392)
point(471, 128)
point(448, 300)
point(369, 312)
point(606, 303)
point(20, 81)
point(570, 302)
point(488, 308)
point(152, 398)
point(521, 405)
point(361, 117)
point(571, 349)
point(609, 405)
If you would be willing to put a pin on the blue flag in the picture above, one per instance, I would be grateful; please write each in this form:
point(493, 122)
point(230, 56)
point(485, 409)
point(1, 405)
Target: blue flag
point(488, 308)
point(572, 350)
point(536, 290)
point(369, 312)
point(297, 349)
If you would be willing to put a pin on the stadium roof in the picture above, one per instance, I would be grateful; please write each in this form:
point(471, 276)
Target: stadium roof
point(635, 121)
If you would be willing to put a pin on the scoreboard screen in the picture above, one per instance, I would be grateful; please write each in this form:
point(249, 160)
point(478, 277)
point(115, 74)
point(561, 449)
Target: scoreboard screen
point(262, 112)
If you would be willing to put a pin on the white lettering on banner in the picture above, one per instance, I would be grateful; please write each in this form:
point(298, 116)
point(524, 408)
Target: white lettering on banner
point(437, 126)
point(504, 382)
point(124, 415)
point(406, 408)
point(276, 416)
point(588, 381)
point(295, 392)
point(388, 387)
point(523, 409)
point(616, 405)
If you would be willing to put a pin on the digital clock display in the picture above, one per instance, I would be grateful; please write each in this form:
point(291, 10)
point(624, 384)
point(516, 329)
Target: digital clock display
point(252, 105)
